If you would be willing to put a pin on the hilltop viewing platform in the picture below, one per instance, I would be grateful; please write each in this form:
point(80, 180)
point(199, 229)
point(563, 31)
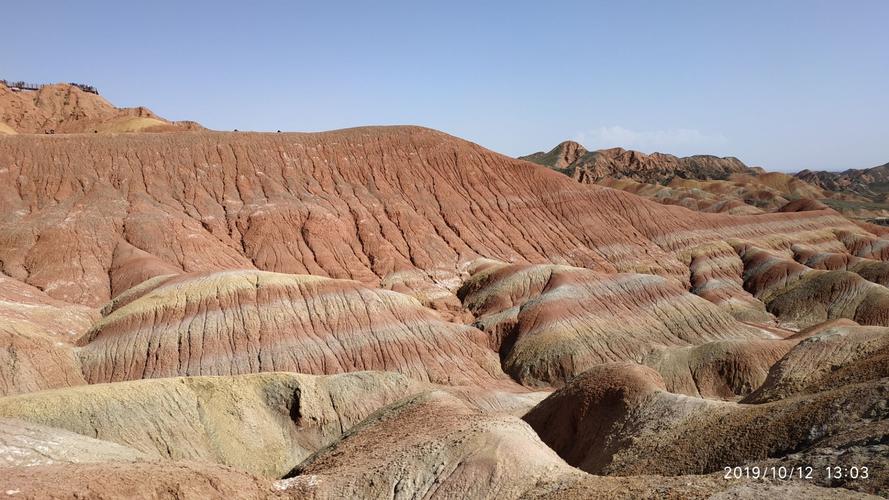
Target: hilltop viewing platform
point(19, 86)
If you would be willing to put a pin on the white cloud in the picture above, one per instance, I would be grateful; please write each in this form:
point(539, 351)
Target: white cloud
point(676, 141)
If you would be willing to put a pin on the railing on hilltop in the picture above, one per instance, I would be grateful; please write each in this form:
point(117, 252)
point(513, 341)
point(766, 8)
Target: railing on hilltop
point(37, 86)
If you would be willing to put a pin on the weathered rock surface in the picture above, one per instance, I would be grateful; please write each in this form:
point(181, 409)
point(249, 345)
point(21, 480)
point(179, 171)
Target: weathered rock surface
point(264, 424)
point(874, 271)
point(239, 255)
point(25, 444)
point(550, 323)
point(724, 369)
point(618, 419)
point(802, 296)
point(702, 182)
point(591, 166)
point(396, 453)
point(35, 335)
point(236, 322)
point(833, 357)
point(368, 204)
point(716, 274)
point(863, 245)
point(870, 183)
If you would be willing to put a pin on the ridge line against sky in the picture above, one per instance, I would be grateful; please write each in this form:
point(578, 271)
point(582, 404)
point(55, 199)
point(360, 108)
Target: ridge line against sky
point(784, 85)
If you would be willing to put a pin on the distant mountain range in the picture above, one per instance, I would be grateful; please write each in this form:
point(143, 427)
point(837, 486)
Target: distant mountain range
point(721, 184)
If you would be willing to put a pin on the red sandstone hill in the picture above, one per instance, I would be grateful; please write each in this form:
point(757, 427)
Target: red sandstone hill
point(150, 284)
point(65, 108)
point(401, 207)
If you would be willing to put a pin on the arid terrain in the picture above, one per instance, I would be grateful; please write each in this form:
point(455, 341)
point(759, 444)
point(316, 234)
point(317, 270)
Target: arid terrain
point(393, 312)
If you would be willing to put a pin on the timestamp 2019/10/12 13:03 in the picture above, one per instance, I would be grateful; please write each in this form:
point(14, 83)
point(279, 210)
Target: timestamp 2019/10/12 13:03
point(796, 472)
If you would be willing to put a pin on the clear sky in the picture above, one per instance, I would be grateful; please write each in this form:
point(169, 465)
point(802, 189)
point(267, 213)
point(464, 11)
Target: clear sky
point(782, 84)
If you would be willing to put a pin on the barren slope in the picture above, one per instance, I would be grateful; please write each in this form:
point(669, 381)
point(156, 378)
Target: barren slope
point(402, 206)
point(64, 108)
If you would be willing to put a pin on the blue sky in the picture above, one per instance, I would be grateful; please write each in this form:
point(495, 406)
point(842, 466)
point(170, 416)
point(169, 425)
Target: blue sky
point(782, 84)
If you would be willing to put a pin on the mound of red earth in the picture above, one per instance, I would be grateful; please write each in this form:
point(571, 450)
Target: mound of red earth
point(65, 108)
point(401, 207)
point(192, 315)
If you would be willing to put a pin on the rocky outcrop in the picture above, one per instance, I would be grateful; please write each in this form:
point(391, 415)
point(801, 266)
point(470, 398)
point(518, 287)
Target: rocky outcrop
point(801, 296)
point(870, 183)
point(874, 271)
point(561, 156)
point(716, 274)
point(864, 245)
point(726, 369)
point(721, 185)
point(36, 332)
point(396, 453)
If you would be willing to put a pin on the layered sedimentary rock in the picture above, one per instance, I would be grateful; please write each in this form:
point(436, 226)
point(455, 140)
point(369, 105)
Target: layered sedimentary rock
point(591, 166)
point(872, 270)
point(263, 424)
point(35, 335)
point(370, 204)
point(799, 295)
point(870, 183)
point(704, 183)
point(397, 454)
point(551, 323)
point(863, 245)
point(716, 274)
point(618, 419)
point(236, 322)
point(203, 253)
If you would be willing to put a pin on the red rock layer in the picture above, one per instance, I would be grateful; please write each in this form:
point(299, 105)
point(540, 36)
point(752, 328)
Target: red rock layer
point(555, 322)
point(237, 322)
point(35, 335)
point(865, 246)
point(874, 271)
point(716, 273)
point(364, 204)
